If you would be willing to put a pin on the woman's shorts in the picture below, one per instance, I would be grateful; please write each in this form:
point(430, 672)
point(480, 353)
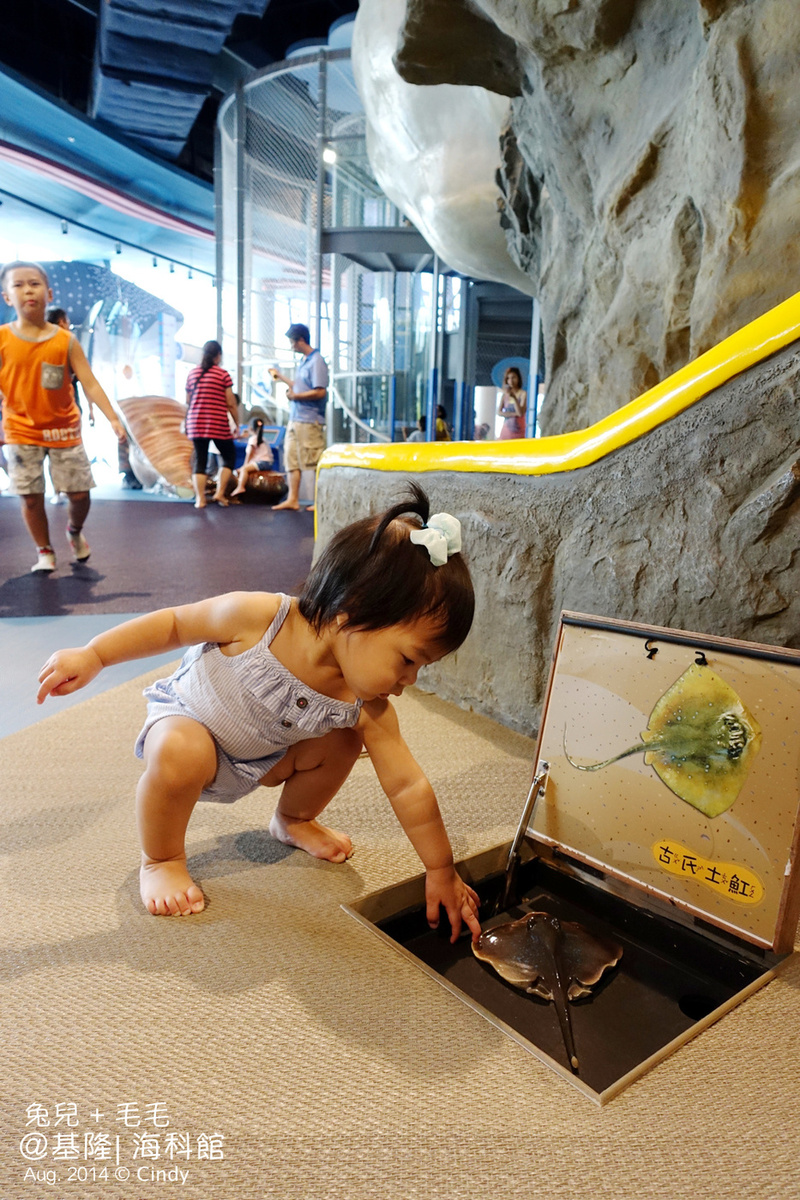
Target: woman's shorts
point(225, 448)
point(69, 469)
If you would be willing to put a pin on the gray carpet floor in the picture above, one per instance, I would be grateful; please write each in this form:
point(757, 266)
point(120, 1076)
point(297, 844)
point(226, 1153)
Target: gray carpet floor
point(153, 555)
point(273, 1047)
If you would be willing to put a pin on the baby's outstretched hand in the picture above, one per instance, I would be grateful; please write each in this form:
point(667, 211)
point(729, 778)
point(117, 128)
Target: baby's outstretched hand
point(445, 887)
point(66, 671)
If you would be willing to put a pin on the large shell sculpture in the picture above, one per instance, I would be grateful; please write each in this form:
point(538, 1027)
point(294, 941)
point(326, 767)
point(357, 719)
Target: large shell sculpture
point(154, 423)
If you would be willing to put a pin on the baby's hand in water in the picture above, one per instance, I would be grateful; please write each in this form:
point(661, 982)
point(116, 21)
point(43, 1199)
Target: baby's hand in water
point(445, 887)
point(66, 671)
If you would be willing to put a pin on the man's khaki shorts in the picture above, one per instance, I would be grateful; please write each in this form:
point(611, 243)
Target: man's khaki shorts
point(69, 469)
point(304, 445)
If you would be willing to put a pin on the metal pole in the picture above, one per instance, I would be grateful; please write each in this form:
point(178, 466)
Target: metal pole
point(218, 228)
point(393, 360)
point(432, 380)
point(441, 295)
point(470, 319)
point(321, 129)
point(532, 416)
point(456, 356)
point(335, 375)
point(240, 189)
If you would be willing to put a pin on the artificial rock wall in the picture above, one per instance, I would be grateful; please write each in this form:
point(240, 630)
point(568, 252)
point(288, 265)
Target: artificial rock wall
point(694, 526)
point(648, 171)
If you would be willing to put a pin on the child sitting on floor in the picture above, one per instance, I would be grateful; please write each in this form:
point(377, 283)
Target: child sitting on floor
point(255, 460)
point(276, 690)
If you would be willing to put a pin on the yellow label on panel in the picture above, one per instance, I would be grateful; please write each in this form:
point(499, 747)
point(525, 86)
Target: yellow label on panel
point(728, 879)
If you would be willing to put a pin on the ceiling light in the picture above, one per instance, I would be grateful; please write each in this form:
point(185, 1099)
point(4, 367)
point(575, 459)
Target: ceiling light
point(64, 227)
point(329, 155)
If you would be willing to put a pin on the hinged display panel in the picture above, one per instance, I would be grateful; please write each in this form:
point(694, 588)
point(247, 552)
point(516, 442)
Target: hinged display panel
point(675, 765)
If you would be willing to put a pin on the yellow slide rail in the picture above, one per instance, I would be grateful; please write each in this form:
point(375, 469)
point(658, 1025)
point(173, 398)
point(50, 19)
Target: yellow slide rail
point(568, 451)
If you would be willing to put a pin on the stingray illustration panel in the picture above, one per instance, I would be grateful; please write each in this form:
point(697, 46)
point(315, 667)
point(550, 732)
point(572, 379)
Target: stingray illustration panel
point(676, 767)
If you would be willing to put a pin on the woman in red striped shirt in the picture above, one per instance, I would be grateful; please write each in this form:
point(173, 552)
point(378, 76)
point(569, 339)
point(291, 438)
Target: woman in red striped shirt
point(209, 400)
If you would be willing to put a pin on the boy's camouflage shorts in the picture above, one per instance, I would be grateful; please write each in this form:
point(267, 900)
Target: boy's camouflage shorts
point(69, 469)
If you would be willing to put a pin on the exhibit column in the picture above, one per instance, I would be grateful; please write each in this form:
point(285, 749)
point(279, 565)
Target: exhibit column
point(433, 375)
point(218, 229)
point(240, 248)
point(393, 360)
point(534, 378)
point(469, 324)
point(322, 119)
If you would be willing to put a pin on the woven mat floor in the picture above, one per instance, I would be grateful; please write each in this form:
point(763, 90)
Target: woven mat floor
point(302, 1056)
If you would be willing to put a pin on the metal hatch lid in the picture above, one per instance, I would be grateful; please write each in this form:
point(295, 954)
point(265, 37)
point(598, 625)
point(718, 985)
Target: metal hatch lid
point(675, 767)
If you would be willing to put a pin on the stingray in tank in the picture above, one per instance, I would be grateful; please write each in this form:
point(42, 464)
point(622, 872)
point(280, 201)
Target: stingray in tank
point(550, 958)
point(700, 740)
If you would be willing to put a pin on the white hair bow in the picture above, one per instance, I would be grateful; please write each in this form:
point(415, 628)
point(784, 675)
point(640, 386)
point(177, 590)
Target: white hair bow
point(441, 537)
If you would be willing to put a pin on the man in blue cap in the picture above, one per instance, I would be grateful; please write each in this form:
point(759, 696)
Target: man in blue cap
point(308, 395)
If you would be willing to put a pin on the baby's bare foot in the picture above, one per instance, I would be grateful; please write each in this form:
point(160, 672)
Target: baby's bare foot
point(167, 888)
point(312, 837)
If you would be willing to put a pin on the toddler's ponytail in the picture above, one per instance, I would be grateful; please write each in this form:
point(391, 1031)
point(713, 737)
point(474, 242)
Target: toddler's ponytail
point(373, 574)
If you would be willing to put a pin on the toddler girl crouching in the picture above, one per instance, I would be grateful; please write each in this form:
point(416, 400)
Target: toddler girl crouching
point(282, 691)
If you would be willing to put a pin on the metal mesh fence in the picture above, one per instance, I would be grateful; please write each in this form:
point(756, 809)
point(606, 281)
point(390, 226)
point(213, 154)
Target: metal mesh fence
point(493, 347)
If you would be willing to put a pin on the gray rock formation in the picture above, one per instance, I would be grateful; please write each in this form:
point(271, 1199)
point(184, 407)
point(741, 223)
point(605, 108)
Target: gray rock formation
point(694, 526)
point(651, 172)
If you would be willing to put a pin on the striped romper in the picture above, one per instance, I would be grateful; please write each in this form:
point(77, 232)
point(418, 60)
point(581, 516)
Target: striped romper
point(252, 706)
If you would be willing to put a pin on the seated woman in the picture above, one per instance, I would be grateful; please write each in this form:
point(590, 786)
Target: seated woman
point(442, 428)
point(254, 462)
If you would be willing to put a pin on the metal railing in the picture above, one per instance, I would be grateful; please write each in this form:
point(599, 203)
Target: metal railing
point(356, 421)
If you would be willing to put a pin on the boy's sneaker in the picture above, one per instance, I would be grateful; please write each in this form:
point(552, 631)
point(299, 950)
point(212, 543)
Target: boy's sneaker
point(46, 560)
point(79, 544)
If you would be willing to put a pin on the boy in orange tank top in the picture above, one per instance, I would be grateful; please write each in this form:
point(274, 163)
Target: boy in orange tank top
point(40, 417)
